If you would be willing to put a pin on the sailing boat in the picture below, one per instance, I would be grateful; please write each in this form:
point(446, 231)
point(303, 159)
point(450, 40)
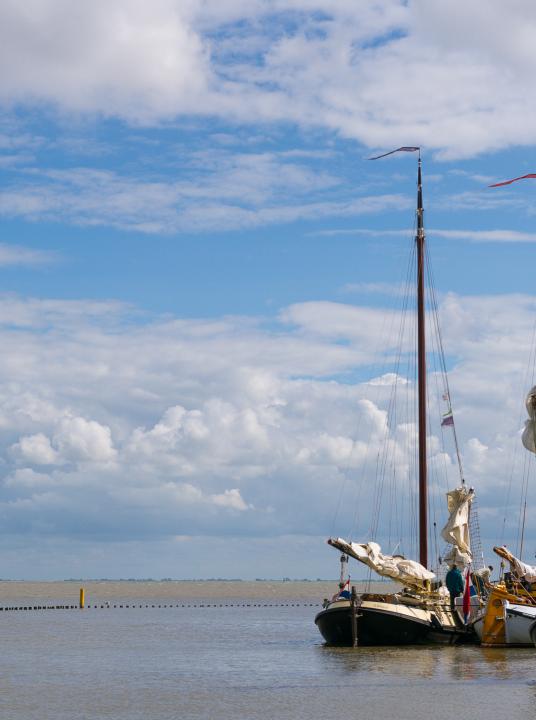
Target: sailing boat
point(509, 616)
point(416, 613)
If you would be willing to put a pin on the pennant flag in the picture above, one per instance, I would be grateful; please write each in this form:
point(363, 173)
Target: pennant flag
point(467, 597)
point(448, 419)
point(392, 152)
point(509, 182)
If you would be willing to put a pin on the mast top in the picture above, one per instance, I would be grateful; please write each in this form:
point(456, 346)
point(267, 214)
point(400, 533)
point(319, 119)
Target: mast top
point(420, 209)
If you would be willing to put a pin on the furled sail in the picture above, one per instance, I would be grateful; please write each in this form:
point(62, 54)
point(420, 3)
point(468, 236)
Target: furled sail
point(456, 531)
point(517, 567)
point(529, 433)
point(396, 567)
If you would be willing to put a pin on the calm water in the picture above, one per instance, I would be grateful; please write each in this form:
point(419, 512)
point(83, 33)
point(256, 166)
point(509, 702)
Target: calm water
point(232, 663)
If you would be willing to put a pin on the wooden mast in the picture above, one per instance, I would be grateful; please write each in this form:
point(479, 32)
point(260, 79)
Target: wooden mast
point(421, 357)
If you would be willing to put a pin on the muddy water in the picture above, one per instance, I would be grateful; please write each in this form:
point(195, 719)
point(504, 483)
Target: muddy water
point(231, 663)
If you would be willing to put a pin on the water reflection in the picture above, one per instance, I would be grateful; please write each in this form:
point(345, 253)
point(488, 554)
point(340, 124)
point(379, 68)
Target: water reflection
point(463, 663)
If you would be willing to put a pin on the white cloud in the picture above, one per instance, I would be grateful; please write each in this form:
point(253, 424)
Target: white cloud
point(376, 288)
point(74, 439)
point(380, 73)
point(231, 499)
point(124, 58)
point(36, 450)
point(495, 235)
point(482, 236)
point(223, 192)
point(17, 255)
point(79, 439)
point(26, 478)
point(219, 427)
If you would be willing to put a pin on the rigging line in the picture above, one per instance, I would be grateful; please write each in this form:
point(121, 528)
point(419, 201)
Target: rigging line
point(435, 316)
point(444, 455)
point(439, 359)
point(432, 460)
point(440, 468)
point(408, 411)
point(508, 492)
point(530, 366)
point(386, 450)
point(411, 411)
point(413, 469)
point(518, 526)
point(431, 495)
point(381, 342)
point(413, 494)
point(359, 485)
point(440, 391)
point(361, 416)
point(432, 359)
point(384, 444)
point(523, 529)
point(523, 504)
point(474, 536)
point(368, 580)
point(413, 443)
point(410, 446)
point(434, 467)
point(346, 468)
point(436, 553)
point(392, 407)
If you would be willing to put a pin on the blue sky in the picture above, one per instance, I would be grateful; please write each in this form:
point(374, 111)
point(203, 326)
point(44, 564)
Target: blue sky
point(197, 260)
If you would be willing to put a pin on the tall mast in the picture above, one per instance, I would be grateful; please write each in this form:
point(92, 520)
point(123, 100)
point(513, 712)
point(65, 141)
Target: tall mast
point(421, 356)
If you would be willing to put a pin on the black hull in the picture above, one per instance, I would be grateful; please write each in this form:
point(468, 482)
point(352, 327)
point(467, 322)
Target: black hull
point(377, 627)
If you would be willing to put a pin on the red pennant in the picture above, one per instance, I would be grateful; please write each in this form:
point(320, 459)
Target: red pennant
point(400, 149)
point(509, 182)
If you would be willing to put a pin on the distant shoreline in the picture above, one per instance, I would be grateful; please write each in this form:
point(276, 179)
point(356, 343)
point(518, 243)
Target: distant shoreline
point(59, 591)
point(189, 580)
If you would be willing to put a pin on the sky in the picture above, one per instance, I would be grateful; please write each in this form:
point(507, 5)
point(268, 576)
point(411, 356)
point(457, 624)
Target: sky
point(199, 267)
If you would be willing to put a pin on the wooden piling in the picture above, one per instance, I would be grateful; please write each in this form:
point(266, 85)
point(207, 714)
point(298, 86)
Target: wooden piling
point(353, 601)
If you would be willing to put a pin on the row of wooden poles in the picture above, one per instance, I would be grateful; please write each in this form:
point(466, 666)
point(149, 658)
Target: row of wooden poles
point(107, 605)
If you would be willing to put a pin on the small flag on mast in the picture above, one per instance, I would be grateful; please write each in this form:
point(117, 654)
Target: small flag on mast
point(448, 419)
point(513, 180)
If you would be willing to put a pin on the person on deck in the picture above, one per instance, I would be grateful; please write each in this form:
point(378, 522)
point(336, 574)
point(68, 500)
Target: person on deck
point(455, 584)
point(342, 594)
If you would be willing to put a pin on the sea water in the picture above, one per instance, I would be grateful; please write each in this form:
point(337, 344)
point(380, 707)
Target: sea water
point(241, 651)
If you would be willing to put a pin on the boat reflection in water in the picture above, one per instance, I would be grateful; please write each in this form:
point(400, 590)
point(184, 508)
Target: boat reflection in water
point(431, 662)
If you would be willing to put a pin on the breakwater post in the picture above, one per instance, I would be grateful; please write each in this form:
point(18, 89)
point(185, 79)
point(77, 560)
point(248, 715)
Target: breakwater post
point(355, 639)
point(82, 599)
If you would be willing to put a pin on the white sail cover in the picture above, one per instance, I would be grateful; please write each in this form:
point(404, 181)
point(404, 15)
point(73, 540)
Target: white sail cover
point(396, 567)
point(529, 433)
point(456, 531)
point(517, 566)
point(522, 570)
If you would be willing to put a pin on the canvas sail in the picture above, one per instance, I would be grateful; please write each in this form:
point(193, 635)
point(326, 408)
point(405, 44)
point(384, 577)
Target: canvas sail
point(396, 567)
point(529, 433)
point(456, 531)
point(517, 567)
